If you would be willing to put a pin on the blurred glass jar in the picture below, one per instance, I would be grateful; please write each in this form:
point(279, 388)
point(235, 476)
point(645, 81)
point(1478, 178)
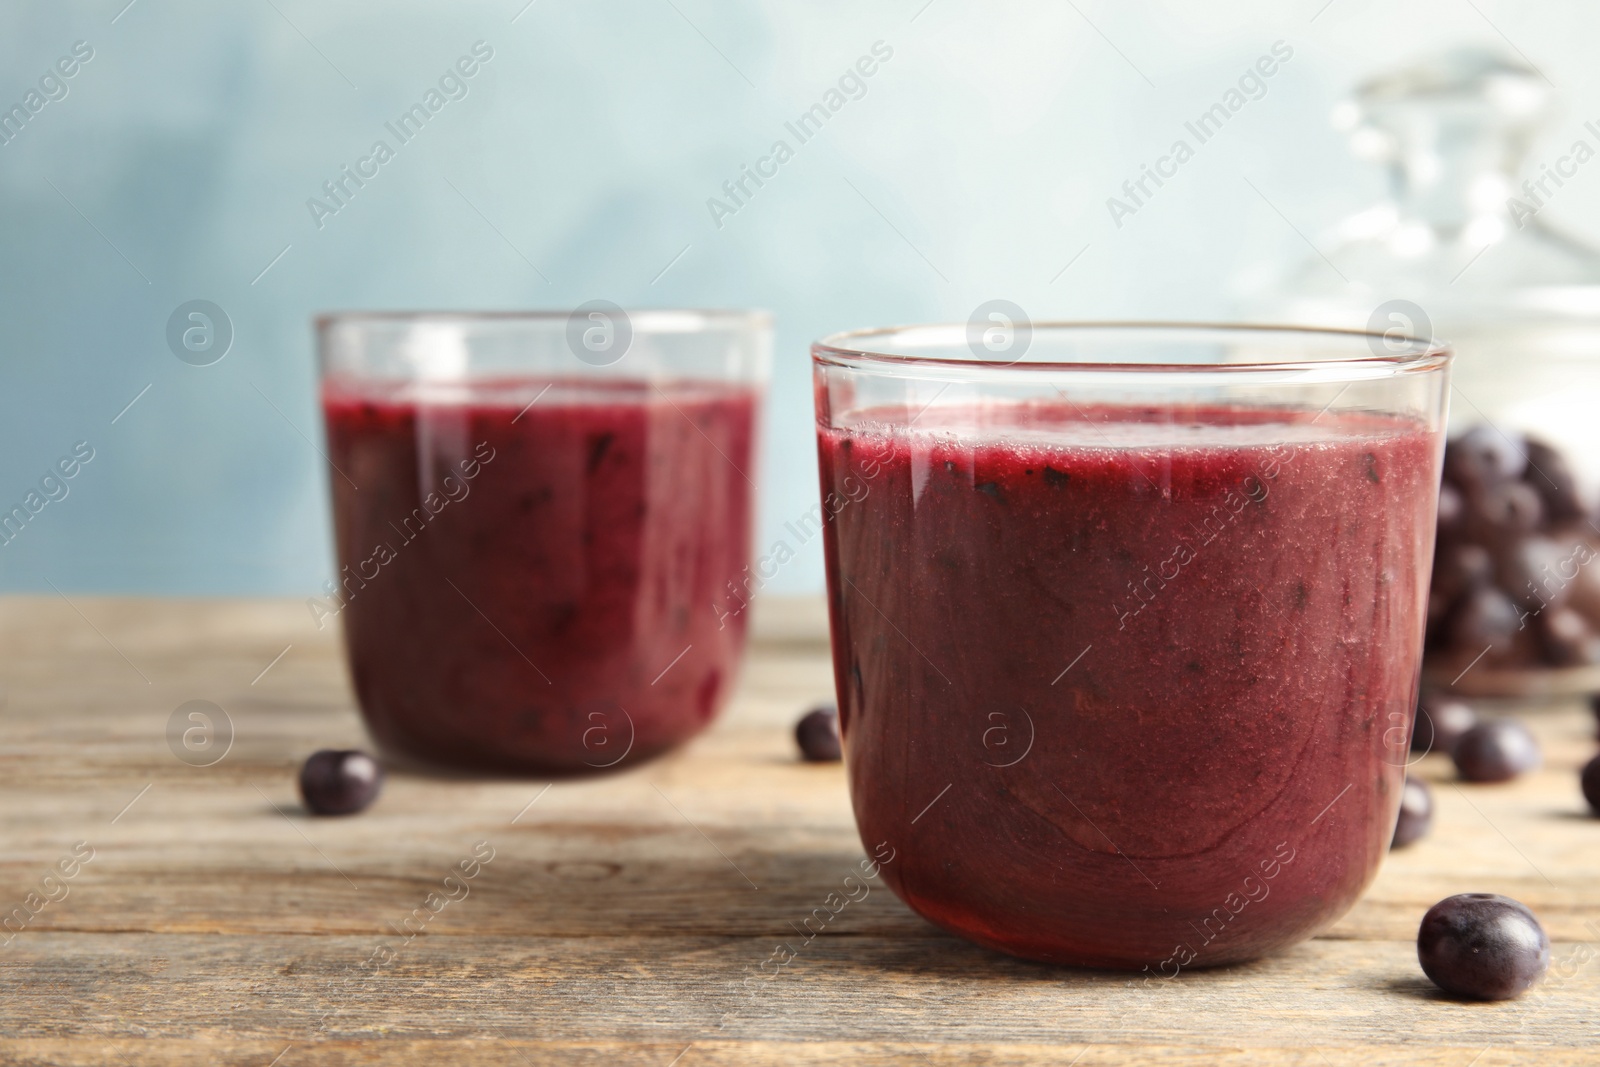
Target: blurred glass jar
point(1463, 248)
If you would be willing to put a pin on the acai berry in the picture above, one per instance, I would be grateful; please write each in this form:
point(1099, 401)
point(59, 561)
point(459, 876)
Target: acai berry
point(1482, 946)
point(339, 781)
point(1496, 751)
point(1440, 723)
point(1416, 813)
point(1591, 784)
point(817, 734)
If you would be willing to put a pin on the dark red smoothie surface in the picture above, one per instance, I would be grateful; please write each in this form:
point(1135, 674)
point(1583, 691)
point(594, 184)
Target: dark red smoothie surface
point(1194, 635)
point(556, 610)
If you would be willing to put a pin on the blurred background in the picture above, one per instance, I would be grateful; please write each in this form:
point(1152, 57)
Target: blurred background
point(177, 160)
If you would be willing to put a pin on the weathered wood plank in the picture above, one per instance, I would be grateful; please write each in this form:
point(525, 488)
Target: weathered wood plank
point(660, 991)
point(209, 1052)
point(617, 922)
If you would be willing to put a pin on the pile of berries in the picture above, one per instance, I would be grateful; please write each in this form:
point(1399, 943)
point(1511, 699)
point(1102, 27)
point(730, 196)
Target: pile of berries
point(1512, 581)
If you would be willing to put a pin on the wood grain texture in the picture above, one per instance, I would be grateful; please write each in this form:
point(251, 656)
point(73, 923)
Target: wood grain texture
point(623, 919)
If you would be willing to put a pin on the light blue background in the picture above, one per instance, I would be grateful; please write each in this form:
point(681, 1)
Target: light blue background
point(977, 165)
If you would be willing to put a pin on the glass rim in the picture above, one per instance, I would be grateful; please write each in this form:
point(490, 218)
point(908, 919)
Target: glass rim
point(639, 318)
point(845, 350)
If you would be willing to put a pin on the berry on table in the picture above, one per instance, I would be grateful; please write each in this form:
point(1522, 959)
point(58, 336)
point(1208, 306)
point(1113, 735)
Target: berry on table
point(1496, 751)
point(1482, 946)
point(339, 781)
point(817, 734)
point(1416, 813)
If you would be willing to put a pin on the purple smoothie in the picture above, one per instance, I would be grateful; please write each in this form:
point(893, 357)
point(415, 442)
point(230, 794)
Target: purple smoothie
point(530, 567)
point(1128, 688)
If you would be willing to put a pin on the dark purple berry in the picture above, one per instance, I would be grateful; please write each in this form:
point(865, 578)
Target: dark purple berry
point(1499, 513)
point(1483, 456)
point(1583, 591)
point(339, 781)
point(1566, 639)
point(1439, 607)
point(1552, 478)
point(1482, 946)
point(1591, 784)
point(817, 734)
point(1458, 568)
point(1486, 619)
point(1528, 570)
point(1452, 507)
point(1440, 723)
point(1496, 751)
point(1416, 812)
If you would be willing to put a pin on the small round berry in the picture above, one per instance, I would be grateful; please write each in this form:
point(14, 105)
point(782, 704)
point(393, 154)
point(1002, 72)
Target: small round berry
point(1416, 813)
point(1483, 456)
point(1496, 751)
point(1566, 639)
point(1551, 476)
point(1499, 513)
point(1528, 569)
point(1460, 568)
point(339, 781)
point(1482, 946)
point(1591, 784)
point(817, 734)
point(1440, 723)
point(1486, 618)
point(1451, 508)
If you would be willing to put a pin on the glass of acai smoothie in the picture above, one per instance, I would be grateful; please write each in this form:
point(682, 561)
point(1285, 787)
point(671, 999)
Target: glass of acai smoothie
point(1127, 622)
point(537, 516)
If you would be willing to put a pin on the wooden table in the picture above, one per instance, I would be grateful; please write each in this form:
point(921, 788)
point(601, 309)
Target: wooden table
point(618, 918)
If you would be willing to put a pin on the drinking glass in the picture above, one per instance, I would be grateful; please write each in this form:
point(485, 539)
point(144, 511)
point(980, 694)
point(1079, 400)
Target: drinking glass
point(1127, 621)
point(535, 515)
